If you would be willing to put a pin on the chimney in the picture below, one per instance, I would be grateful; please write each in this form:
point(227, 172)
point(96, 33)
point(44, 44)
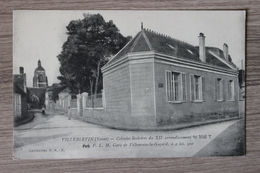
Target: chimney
point(202, 49)
point(225, 51)
point(21, 70)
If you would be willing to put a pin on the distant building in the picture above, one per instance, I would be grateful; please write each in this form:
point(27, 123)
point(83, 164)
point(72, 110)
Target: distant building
point(36, 97)
point(167, 80)
point(20, 107)
point(40, 79)
point(36, 94)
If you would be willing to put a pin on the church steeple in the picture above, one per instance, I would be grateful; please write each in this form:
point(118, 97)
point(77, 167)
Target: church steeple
point(39, 63)
point(40, 79)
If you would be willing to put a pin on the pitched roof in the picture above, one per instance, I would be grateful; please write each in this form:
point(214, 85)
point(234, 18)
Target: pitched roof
point(66, 91)
point(36, 91)
point(17, 89)
point(147, 40)
point(19, 82)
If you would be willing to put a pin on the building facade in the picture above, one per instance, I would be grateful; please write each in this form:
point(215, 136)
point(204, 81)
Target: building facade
point(20, 107)
point(167, 80)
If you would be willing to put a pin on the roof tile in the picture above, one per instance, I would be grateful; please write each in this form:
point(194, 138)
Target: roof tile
point(169, 46)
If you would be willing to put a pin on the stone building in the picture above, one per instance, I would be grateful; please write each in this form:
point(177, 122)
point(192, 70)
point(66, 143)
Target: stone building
point(20, 107)
point(160, 80)
point(36, 97)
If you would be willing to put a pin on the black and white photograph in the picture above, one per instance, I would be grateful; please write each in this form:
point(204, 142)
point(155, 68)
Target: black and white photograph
point(128, 83)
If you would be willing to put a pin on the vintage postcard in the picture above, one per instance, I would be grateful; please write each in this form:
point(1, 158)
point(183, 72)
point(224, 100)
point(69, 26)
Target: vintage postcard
point(128, 84)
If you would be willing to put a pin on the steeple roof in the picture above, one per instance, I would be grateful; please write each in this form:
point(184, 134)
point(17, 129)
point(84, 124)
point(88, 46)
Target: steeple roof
point(39, 68)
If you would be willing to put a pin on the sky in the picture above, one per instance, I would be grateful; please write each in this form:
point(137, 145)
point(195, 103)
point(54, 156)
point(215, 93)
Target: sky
point(40, 34)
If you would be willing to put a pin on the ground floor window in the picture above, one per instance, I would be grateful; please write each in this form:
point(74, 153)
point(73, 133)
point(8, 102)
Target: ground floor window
point(175, 86)
point(197, 87)
point(231, 90)
point(219, 89)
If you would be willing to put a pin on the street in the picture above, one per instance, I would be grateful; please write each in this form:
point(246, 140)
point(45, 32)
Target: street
point(55, 136)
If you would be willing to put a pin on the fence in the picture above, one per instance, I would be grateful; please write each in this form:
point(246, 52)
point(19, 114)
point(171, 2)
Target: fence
point(80, 105)
point(94, 102)
point(73, 103)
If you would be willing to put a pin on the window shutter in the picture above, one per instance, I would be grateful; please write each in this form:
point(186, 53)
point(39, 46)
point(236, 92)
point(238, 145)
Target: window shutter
point(216, 90)
point(229, 96)
point(171, 86)
point(184, 94)
point(224, 89)
point(168, 85)
point(235, 88)
point(191, 87)
point(203, 88)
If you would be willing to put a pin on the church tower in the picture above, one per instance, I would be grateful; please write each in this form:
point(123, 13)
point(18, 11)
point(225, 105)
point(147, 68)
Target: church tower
point(40, 79)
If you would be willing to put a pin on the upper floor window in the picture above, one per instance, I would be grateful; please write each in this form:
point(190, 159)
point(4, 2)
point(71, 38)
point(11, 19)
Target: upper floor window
point(175, 86)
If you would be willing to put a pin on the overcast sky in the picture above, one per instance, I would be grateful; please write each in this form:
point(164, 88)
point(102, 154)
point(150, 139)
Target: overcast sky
point(41, 34)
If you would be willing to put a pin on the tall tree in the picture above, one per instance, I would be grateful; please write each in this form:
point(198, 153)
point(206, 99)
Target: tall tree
point(90, 41)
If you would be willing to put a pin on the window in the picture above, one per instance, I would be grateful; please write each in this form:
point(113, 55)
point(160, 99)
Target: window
point(175, 86)
point(219, 88)
point(219, 94)
point(197, 87)
point(41, 78)
point(231, 93)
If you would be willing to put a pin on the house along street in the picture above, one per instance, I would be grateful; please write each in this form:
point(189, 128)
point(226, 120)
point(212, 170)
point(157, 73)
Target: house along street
point(55, 136)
